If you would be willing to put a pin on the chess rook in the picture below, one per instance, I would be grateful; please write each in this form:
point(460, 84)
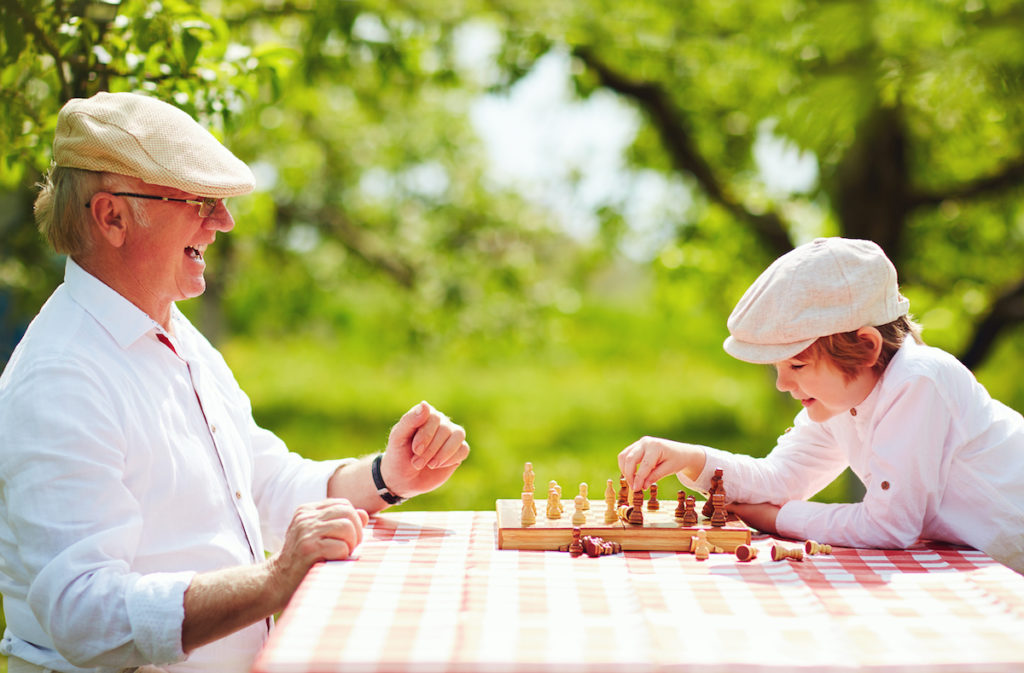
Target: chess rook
point(636, 513)
point(718, 513)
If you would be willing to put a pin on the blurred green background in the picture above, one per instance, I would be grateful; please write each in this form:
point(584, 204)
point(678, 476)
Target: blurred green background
point(537, 216)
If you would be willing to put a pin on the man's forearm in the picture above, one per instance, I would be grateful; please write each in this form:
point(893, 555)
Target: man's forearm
point(220, 602)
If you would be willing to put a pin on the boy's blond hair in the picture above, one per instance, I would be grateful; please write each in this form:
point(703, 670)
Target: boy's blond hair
point(849, 353)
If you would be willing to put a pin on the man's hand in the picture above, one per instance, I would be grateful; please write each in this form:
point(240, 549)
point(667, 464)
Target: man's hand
point(328, 530)
point(424, 448)
point(220, 602)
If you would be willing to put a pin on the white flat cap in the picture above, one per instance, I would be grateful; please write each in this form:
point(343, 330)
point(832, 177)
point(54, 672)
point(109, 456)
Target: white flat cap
point(148, 139)
point(824, 287)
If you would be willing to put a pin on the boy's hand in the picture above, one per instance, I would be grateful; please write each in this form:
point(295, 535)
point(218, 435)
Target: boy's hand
point(648, 459)
point(761, 516)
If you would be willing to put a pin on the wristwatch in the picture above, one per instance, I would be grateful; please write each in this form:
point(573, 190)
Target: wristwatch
point(383, 491)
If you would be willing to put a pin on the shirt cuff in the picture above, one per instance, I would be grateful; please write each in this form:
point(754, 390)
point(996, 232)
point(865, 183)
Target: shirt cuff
point(713, 460)
point(156, 611)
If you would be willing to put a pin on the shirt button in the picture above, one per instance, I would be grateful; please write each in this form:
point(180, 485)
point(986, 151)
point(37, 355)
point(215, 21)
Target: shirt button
point(213, 427)
point(885, 485)
point(238, 495)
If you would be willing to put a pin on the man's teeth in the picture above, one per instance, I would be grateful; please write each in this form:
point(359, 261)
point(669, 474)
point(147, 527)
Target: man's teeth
point(195, 253)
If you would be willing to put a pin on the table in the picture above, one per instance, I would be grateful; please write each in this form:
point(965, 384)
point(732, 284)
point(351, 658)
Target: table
point(431, 593)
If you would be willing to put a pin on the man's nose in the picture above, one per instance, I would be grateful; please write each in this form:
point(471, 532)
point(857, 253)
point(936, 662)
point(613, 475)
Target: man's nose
point(220, 219)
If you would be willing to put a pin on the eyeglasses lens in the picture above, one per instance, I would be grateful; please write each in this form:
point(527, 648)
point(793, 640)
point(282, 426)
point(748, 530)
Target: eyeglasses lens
point(207, 207)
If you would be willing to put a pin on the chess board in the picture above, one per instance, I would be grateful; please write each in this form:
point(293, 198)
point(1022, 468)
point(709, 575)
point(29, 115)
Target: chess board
point(659, 532)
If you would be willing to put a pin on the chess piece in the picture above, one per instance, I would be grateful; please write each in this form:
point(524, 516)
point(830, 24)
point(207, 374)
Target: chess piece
point(579, 517)
point(745, 552)
point(554, 506)
point(558, 498)
point(690, 511)
point(636, 513)
point(528, 478)
point(584, 491)
point(576, 546)
point(717, 486)
point(700, 546)
point(681, 507)
point(811, 548)
point(610, 515)
point(529, 515)
point(718, 513)
point(653, 505)
point(623, 492)
point(779, 553)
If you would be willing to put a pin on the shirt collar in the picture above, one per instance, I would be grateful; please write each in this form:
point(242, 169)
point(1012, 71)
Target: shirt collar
point(123, 320)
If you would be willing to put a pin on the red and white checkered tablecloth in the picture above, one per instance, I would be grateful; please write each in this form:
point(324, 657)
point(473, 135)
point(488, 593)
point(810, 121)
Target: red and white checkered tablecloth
point(431, 593)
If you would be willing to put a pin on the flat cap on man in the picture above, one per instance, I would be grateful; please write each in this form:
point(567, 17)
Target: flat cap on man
point(146, 138)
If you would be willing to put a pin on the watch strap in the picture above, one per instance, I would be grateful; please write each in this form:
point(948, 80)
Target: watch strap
point(383, 491)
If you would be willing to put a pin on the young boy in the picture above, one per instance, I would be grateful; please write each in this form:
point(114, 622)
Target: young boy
point(939, 458)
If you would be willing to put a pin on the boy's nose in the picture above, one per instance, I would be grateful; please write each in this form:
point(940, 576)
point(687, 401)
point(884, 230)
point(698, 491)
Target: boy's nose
point(782, 382)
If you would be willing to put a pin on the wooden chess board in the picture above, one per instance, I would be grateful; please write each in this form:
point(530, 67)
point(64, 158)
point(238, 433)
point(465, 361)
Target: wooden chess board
point(659, 532)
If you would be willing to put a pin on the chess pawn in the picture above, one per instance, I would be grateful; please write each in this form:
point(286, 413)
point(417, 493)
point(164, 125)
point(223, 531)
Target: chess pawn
point(681, 507)
point(578, 516)
point(623, 492)
point(528, 478)
point(554, 506)
point(779, 553)
point(610, 515)
point(699, 545)
point(653, 505)
point(576, 546)
point(690, 511)
point(745, 552)
point(636, 513)
point(584, 491)
point(811, 548)
point(529, 515)
point(718, 514)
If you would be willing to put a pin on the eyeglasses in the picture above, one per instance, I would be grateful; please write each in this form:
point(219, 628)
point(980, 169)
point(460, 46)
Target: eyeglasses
point(206, 205)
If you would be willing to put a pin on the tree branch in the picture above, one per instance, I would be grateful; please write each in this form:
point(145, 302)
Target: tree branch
point(683, 152)
point(1006, 311)
point(358, 243)
point(28, 21)
point(1011, 176)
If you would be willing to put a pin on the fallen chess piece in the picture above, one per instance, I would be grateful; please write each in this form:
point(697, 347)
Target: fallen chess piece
point(745, 553)
point(811, 548)
point(597, 546)
point(779, 553)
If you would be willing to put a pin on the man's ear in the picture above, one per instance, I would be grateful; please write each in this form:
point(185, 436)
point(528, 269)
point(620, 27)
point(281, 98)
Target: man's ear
point(109, 217)
point(874, 337)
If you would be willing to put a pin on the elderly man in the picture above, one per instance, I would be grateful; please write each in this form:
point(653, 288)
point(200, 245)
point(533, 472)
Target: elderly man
point(138, 495)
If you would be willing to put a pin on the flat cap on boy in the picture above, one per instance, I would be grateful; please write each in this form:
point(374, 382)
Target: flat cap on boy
point(146, 138)
point(824, 287)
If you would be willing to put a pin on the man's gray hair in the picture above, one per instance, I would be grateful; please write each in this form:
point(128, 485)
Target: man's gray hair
point(60, 210)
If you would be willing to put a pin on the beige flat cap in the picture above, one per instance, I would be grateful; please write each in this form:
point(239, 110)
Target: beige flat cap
point(149, 139)
point(824, 287)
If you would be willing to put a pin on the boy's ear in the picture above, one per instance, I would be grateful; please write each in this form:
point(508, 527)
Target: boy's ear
point(874, 337)
point(108, 216)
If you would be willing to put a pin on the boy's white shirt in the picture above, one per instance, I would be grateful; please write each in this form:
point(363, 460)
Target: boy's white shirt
point(939, 458)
